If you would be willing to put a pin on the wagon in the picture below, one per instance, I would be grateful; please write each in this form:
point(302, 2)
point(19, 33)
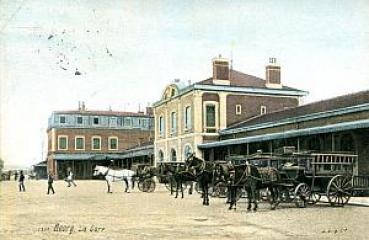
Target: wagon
point(165, 176)
point(307, 177)
point(144, 177)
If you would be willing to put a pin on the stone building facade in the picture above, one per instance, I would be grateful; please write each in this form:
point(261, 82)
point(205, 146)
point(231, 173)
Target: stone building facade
point(82, 139)
point(189, 115)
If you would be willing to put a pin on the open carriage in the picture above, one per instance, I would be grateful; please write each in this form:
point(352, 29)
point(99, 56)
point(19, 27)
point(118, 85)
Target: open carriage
point(144, 175)
point(307, 177)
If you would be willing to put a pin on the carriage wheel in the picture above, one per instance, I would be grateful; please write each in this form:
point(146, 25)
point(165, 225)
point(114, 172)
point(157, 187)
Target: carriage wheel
point(339, 190)
point(150, 185)
point(314, 197)
point(220, 190)
point(141, 184)
point(302, 194)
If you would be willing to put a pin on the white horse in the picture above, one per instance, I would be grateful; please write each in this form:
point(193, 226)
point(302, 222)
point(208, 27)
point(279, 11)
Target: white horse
point(114, 176)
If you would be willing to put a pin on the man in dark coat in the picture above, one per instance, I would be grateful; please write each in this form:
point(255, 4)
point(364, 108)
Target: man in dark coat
point(21, 182)
point(50, 180)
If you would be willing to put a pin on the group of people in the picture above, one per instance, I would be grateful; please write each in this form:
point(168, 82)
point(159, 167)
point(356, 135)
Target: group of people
point(50, 180)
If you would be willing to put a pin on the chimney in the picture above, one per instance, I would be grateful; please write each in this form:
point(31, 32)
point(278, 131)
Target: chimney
point(149, 111)
point(273, 74)
point(83, 108)
point(221, 72)
point(79, 105)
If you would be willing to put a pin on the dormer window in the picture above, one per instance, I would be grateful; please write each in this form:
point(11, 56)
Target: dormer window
point(62, 119)
point(96, 120)
point(79, 120)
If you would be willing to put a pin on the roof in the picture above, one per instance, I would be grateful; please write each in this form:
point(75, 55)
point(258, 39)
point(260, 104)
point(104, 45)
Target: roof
point(327, 105)
point(289, 134)
point(239, 82)
point(239, 79)
point(105, 113)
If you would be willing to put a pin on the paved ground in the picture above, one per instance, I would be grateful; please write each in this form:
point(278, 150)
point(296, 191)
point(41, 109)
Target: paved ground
point(87, 212)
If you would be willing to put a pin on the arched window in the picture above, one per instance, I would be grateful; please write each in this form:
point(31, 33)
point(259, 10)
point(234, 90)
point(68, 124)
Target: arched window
point(187, 151)
point(173, 155)
point(161, 156)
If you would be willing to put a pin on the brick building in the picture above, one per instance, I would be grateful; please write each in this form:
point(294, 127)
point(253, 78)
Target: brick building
point(83, 138)
point(339, 124)
point(189, 115)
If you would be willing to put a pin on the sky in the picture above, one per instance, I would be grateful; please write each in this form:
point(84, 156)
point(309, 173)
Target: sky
point(121, 54)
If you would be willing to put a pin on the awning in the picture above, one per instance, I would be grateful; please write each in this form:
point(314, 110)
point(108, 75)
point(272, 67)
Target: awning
point(289, 134)
point(139, 152)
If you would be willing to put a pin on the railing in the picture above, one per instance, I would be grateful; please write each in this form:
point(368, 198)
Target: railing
point(360, 182)
point(333, 164)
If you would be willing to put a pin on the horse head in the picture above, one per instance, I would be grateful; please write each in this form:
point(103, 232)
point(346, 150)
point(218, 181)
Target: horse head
point(100, 170)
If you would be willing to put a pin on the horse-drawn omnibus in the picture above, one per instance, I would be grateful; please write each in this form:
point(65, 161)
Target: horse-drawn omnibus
point(306, 176)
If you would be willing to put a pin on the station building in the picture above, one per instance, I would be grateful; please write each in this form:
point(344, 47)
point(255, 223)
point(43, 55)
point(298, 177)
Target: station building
point(339, 125)
point(81, 139)
point(187, 116)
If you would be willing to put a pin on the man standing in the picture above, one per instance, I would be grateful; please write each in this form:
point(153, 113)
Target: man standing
point(50, 180)
point(21, 182)
point(70, 178)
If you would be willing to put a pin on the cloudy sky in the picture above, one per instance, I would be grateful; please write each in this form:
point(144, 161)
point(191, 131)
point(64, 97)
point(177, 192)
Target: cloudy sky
point(121, 54)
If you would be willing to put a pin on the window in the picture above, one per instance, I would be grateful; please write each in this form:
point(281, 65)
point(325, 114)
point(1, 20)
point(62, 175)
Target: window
point(62, 119)
point(127, 122)
point(161, 126)
point(62, 142)
point(79, 120)
point(187, 118)
point(96, 143)
point(173, 155)
point(210, 118)
point(238, 109)
point(113, 143)
point(113, 121)
point(96, 120)
point(263, 110)
point(174, 123)
point(187, 151)
point(161, 156)
point(79, 143)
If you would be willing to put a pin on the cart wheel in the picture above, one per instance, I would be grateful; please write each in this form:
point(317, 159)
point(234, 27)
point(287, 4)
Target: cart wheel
point(141, 184)
point(339, 190)
point(314, 197)
point(149, 185)
point(302, 194)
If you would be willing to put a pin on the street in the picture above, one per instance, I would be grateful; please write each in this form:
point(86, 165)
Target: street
point(88, 212)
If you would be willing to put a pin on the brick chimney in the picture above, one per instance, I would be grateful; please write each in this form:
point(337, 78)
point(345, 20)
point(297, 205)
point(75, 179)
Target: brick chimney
point(273, 74)
point(221, 73)
point(149, 111)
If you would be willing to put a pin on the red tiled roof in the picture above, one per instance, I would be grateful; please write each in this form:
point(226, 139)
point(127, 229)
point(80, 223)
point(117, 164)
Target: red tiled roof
point(239, 79)
point(315, 107)
point(105, 113)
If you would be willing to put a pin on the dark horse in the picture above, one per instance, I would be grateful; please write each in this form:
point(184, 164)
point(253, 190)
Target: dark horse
point(253, 179)
point(198, 170)
point(175, 174)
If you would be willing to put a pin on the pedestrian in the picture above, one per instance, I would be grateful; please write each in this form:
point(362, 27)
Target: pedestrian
point(50, 180)
point(70, 178)
point(16, 176)
point(21, 182)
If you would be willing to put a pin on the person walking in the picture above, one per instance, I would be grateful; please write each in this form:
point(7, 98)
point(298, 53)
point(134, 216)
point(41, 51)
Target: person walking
point(70, 178)
point(50, 181)
point(21, 182)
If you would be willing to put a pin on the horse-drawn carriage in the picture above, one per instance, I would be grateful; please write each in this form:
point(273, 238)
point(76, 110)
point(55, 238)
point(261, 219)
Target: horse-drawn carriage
point(307, 177)
point(144, 174)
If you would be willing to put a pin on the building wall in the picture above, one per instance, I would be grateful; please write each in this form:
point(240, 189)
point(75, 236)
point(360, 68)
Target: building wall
point(126, 138)
point(251, 106)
